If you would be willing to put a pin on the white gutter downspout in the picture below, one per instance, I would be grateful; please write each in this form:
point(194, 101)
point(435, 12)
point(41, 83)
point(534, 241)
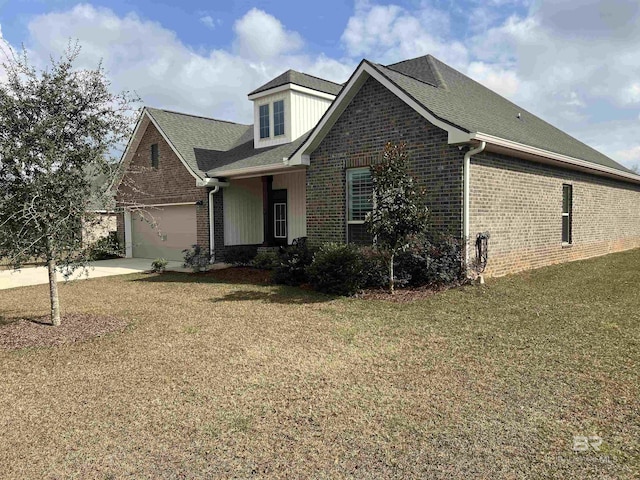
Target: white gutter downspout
point(467, 185)
point(216, 184)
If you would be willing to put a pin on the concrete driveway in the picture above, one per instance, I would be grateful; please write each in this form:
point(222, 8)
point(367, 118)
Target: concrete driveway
point(102, 268)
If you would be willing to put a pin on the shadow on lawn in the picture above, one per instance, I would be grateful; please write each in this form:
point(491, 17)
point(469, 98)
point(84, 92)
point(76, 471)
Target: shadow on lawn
point(284, 295)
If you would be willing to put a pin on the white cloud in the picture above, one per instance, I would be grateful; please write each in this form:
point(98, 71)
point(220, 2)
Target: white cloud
point(630, 156)
point(261, 36)
point(500, 80)
point(143, 56)
point(390, 33)
point(209, 21)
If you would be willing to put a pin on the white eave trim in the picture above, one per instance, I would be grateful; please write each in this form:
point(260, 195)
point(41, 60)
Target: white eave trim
point(292, 86)
point(253, 171)
point(545, 156)
point(362, 73)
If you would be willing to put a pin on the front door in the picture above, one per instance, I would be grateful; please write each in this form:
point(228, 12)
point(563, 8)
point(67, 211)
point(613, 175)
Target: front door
point(278, 217)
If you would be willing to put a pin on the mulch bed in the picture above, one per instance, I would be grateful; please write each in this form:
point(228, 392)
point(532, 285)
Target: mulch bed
point(75, 327)
point(241, 275)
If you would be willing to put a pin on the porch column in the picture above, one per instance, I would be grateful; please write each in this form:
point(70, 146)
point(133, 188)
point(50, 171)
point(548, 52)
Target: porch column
point(267, 182)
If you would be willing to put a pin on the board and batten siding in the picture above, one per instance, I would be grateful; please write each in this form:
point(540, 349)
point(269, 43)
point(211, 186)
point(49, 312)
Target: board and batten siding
point(308, 109)
point(295, 183)
point(243, 216)
point(272, 140)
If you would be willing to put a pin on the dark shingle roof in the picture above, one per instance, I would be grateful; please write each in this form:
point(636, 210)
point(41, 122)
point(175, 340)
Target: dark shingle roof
point(187, 133)
point(303, 80)
point(463, 102)
point(246, 156)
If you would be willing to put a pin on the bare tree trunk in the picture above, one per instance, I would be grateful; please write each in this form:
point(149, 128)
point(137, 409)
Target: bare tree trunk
point(391, 283)
point(53, 292)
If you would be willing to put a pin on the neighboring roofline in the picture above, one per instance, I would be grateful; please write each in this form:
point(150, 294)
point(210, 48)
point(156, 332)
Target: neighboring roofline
point(252, 171)
point(500, 145)
point(363, 72)
point(291, 86)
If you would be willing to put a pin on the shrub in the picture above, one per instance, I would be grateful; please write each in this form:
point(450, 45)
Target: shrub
point(337, 269)
point(437, 260)
point(196, 258)
point(159, 265)
point(266, 260)
point(293, 263)
point(105, 248)
point(240, 255)
point(375, 269)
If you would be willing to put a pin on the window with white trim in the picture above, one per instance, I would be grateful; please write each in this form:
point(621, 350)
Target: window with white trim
point(359, 204)
point(278, 118)
point(567, 216)
point(264, 121)
point(280, 220)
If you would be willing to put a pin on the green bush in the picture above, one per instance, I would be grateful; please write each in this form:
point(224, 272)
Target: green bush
point(337, 269)
point(196, 258)
point(293, 263)
point(268, 260)
point(437, 260)
point(375, 269)
point(240, 255)
point(105, 248)
point(159, 265)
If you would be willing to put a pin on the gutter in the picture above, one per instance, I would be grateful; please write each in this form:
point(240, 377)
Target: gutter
point(466, 197)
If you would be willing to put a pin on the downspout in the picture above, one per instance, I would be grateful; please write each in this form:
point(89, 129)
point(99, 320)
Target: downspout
point(215, 183)
point(466, 201)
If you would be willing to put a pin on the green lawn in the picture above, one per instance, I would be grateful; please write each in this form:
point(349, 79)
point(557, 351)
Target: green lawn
point(216, 379)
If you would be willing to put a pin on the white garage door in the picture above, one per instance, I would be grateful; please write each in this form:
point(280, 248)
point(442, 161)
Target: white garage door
point(163, 232)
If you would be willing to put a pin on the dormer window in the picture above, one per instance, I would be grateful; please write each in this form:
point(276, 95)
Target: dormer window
point(278, 118)
point(264, 121)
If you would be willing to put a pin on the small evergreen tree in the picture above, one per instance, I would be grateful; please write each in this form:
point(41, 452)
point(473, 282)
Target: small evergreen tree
point(58, 128)
point(399, 212)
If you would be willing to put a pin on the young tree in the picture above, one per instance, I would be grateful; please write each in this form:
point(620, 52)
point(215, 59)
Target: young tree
point(58, 127)
point(399, 212)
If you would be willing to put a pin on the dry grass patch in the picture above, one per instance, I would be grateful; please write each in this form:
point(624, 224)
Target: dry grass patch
point(216, 379)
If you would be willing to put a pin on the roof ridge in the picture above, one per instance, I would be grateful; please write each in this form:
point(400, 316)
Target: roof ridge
point(431, 62)
point(406, 75)
point(315, 76)
point(198, 116)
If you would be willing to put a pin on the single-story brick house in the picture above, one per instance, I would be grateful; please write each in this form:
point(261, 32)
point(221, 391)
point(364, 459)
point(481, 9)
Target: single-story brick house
point(302, 170)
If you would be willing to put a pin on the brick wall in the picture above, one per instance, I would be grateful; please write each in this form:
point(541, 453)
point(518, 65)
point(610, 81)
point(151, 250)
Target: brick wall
point(374, 117)
point(520, 204)
point(171, 182)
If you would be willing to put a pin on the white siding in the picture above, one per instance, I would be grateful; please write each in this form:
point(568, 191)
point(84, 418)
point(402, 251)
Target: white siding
point(295, 183)
point(243, 217)
point(302, 111)
point(307, 111)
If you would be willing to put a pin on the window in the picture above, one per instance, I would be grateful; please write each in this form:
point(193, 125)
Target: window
point(280, 220)
point(359, 203)
point(567, 204)
point(278, 118)
point(264, 121)
point(155, 156)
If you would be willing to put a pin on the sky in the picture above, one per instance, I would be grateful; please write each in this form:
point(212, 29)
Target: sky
point(574, 63)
